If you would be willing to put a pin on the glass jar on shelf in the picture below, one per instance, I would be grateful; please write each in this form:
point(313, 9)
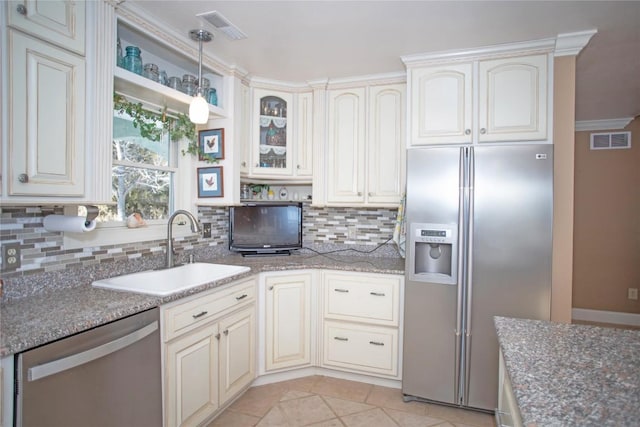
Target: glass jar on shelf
point(133, 61)
point(189, 84)
point(213, 96)
point(151, 72)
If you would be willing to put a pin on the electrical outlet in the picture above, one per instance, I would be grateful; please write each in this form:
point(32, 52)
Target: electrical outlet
point(11, 256)
point(632, 293)
point(206, 230)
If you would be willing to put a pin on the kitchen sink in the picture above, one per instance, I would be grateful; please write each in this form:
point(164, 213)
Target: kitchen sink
point(170, 280)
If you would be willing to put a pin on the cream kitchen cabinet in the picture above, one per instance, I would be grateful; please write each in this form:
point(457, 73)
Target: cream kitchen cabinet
point(61, 22)
point(511, 93)
point(365, 154)
point(282, 132)
point(288, 320)
point(209, 352)
point(507, 412)
point(361, 323)
point(47, 117)
point(46, 107)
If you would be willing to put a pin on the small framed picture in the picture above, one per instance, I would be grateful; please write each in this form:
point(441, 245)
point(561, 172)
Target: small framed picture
point(210, 182)
point(211, 144)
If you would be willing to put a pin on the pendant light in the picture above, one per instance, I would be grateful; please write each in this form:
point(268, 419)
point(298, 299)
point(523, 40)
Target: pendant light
point(199, 108)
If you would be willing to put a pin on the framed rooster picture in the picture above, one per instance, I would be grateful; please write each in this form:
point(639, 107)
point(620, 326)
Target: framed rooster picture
point(210, 182)
point(211, 143)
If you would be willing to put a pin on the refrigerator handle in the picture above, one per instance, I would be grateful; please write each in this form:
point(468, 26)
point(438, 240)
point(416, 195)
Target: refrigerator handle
point(469, 276)
point(459, 332)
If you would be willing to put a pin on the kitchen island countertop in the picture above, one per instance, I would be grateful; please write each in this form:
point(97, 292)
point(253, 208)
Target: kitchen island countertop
point(64, 302)
point(572, 375)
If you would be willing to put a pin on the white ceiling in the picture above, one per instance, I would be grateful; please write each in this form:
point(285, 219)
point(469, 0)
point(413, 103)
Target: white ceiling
point(298, 41)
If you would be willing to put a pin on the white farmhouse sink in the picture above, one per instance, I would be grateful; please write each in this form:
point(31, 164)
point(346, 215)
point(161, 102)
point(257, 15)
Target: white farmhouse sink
point(171, 280)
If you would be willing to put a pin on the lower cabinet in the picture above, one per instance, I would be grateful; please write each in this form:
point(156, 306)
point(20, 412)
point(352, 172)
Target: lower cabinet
point(211, 359)
point(288, 320)
point(507, 412)
point(361, 323)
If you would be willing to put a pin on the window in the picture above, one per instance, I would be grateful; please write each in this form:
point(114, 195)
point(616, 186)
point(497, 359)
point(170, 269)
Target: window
point(143, 172)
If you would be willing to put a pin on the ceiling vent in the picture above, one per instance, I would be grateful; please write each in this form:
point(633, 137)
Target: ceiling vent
point(610, 140)
point(222, 24)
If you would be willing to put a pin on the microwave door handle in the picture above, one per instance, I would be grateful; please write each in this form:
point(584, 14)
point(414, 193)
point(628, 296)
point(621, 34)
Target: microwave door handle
point(50, 368)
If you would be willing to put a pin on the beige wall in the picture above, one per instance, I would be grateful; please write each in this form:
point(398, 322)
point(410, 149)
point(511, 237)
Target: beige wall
point(607, 225)
point(563, 139)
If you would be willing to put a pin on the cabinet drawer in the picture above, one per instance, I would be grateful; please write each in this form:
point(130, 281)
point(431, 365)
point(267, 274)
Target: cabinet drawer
point(362, 298)
point(184, 316)
point(361, 348)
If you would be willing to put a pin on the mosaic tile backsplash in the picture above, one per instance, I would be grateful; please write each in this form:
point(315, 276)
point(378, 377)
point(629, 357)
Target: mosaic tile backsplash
point(323, 229)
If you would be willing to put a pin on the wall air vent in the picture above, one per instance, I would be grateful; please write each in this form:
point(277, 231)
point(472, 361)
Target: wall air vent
point(610, 140)
point(222, 24)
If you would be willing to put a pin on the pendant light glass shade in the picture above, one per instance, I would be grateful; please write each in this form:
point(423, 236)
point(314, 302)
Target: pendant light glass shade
point(199, 110)
point(199, 107)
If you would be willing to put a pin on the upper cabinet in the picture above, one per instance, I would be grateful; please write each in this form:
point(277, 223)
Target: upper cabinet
point(59, 22)
point(365, 146)
point(511, 94)
point(281, 136)
point(46, 74)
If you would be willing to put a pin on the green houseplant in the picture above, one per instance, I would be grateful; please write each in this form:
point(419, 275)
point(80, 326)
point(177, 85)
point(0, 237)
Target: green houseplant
point(179, 127)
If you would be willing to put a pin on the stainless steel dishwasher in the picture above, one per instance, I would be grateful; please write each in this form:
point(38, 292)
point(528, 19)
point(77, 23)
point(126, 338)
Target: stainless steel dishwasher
point(109, 376)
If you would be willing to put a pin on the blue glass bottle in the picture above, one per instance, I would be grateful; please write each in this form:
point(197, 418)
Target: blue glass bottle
point(132, 61)
point(213, 97)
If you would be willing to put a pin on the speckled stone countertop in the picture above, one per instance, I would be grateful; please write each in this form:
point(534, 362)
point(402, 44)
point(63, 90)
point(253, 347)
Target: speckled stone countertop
point(572, 375)
point(63, 303)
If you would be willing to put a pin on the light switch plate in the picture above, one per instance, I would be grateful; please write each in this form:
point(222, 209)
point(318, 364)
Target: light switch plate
point(206, 230)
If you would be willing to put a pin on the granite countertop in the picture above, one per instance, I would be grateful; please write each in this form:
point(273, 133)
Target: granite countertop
point(60, 304)
point(572, 375)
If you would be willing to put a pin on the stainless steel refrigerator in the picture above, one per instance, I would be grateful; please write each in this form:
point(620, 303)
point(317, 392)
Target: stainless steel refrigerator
point(478, 244)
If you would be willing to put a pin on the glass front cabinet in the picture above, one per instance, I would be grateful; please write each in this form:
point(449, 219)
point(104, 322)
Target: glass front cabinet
point(272, 130)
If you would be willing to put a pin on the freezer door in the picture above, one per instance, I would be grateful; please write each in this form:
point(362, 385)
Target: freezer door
point(430, 316)
point(510, 253)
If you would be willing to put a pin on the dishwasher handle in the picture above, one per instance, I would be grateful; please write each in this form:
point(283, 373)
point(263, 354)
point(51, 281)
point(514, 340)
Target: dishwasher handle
point(50, 368)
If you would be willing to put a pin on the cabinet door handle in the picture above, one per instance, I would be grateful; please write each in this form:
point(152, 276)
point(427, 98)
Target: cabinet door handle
point(341, 338)
point(218, 337)
point(376, 343)
point(257, 164)
point(243, 296)
point(270, 288)
point(377, 294)
point(370, 194)
point(243, 164)
point(298, 167)
point(359, 193)
point(23, 178)
point(341, 290)
point(225, 332)
point(21, 9)
point(202, 313)
point(483, 131)
point(467, 131)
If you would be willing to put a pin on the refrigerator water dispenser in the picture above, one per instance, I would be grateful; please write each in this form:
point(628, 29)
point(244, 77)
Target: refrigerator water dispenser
point(433, 253)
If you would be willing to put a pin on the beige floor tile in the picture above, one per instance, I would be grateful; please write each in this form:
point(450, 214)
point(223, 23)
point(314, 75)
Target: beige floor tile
point(343, 389)
point(391, 398)
point(307, 410)
point(234, 419)
point(302, 384)
point(331, 423)
point(257, 401)
point(274, 418)
point(373, 417)
point(407, 419)
point(460, 416)
point(294, 394)
point(346, 407)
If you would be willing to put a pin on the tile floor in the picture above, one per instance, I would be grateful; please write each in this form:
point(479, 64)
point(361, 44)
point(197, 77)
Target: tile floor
point(329, 402)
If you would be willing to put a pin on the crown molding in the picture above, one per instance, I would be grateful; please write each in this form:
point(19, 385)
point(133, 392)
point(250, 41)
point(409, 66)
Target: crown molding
point(605, 124)
point(569, 44)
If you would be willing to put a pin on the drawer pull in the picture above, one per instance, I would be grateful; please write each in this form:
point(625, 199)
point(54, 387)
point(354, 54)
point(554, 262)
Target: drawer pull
point(243, 296)
point(225, 332)
point(341, 338)
point(377, 294)
point(341, 290)
point(376, 343)
point(202, 313)
point(218, 337)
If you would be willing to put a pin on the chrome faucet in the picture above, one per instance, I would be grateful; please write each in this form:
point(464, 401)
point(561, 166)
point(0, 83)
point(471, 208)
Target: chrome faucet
point(195, 227)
